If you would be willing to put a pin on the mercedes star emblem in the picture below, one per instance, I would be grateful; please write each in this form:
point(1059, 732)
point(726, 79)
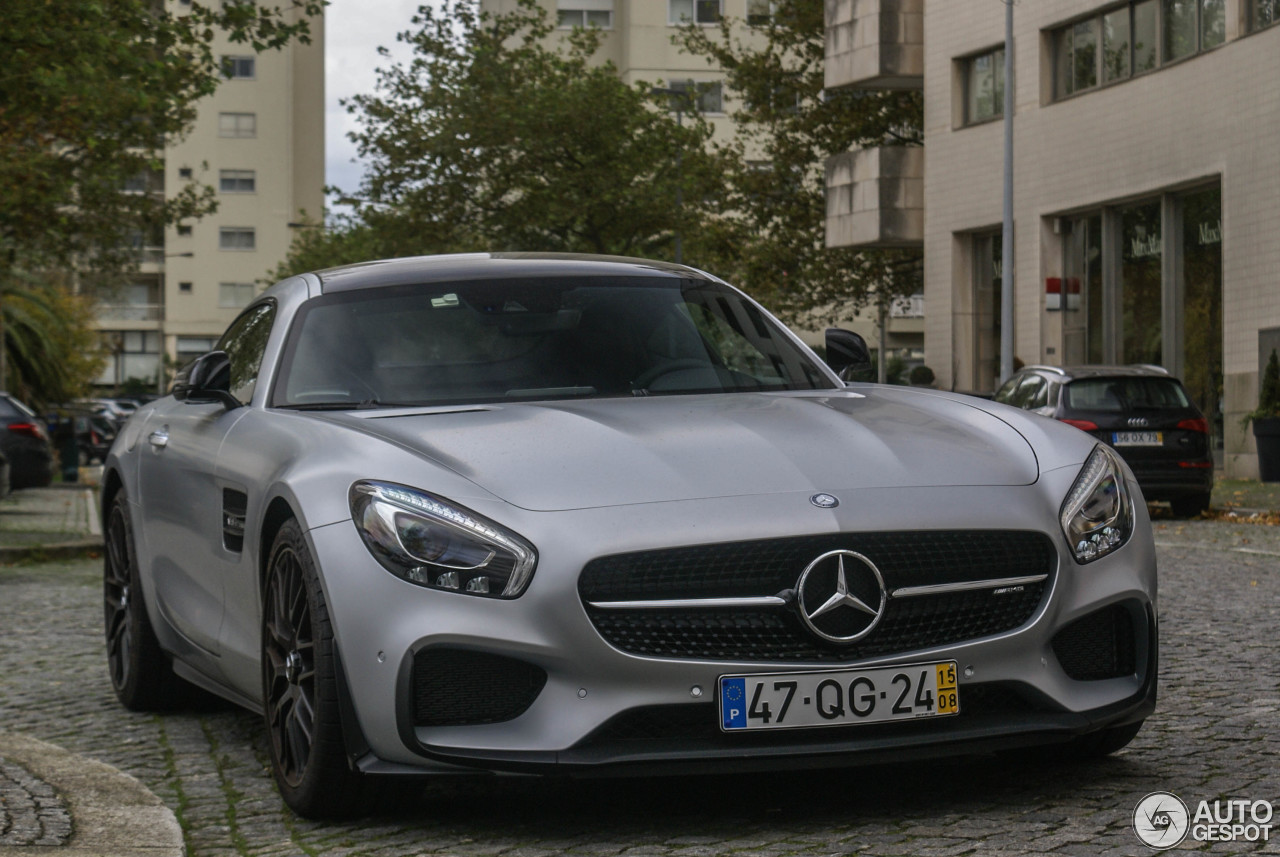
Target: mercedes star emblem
point(825, 501)
point(841, 596)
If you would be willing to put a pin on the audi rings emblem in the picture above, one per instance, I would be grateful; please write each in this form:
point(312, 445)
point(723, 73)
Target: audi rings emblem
point(841, 596)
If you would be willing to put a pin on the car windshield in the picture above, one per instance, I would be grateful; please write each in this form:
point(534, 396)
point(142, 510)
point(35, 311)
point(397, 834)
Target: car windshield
point(487, 341)
point(1125, 394)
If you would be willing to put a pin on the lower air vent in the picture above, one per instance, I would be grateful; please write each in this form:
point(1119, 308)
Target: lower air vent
point(1099, 646)
point(453, 687)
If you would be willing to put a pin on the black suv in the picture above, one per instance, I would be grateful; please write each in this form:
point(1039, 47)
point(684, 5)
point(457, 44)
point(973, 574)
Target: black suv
point(1142, 411)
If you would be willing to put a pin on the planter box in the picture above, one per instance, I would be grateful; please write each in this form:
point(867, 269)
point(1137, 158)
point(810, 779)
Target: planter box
point(1266, 433)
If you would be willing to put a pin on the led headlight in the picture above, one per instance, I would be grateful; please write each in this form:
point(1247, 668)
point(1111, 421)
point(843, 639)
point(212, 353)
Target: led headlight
point(1097, 515)
point(433, 543)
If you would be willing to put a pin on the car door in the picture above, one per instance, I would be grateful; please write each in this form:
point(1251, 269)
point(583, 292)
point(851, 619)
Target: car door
point(185, 502)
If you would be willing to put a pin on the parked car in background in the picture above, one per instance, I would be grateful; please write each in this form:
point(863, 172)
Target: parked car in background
point(94, 432)
point(113, 410)
point(25, 442)
point(1141, 411)
point(585, 515)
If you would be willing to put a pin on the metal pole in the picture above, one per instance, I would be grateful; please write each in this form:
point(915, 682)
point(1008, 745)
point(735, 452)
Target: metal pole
point(679, 186)
point(1006, 262)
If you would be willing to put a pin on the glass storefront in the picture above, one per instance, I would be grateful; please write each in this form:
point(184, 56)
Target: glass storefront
point(1115, 292)
point(988, 255)
point(1140, 290)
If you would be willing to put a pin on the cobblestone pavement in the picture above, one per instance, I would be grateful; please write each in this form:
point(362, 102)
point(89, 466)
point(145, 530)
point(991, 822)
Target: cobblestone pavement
point(31, 812)
point(1214, 736)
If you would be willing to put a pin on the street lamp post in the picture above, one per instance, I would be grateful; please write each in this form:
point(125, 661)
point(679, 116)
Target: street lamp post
point(678, 96)
point(160, 316)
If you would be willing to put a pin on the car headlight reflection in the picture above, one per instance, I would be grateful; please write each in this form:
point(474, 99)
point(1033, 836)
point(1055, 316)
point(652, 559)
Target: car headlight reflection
point(1097, 515)
point(428, 541)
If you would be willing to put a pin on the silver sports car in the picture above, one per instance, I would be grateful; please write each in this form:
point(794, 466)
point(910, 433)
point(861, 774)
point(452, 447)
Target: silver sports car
point(582, 515)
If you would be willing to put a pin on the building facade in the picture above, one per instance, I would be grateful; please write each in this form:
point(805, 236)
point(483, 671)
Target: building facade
point(1146, 188)
point(259, 142)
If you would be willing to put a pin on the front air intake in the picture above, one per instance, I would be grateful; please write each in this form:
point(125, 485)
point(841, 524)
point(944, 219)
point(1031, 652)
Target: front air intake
point(456, 687)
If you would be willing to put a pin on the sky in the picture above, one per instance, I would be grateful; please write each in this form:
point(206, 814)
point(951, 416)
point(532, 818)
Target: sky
point(354, 30)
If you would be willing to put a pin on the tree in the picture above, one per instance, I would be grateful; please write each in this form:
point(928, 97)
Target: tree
point(788, 125)
point(491, 140)
point(53, 350)
point(89, 91)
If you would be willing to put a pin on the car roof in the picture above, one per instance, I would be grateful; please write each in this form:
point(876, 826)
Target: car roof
point(1073, 373)
point(494, 266)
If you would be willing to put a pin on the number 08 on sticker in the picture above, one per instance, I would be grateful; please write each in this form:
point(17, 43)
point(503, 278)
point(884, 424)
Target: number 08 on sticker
point(837, 697)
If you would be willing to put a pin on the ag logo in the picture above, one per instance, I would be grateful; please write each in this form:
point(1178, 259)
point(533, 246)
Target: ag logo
point(1161, 820)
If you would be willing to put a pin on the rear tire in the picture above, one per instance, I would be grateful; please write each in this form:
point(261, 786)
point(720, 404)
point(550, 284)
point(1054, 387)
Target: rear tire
point(1191, 506)
point(300, 688)
point(140, 673)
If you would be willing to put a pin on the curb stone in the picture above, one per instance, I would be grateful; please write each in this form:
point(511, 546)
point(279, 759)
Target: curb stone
point(113, 814)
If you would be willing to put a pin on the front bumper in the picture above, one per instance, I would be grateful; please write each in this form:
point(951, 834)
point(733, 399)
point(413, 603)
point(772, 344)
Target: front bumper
point(602, 711)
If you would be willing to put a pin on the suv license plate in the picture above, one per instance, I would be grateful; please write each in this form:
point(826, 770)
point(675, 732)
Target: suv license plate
point(837, 697)
point(1137, 438)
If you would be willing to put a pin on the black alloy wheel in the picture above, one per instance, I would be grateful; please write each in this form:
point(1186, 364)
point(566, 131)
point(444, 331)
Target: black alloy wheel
point(299, 682)
point(140, 674)
point(289, 666)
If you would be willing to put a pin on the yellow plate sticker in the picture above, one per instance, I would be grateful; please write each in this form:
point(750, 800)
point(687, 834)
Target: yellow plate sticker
point(948, 697)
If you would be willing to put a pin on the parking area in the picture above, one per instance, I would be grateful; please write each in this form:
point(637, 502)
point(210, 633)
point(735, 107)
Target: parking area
point(1214, 736)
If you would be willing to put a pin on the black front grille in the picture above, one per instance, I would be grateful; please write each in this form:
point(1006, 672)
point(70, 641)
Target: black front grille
point(698, 724)
point(773, 567)
point(453, 687)
point(1098, 646)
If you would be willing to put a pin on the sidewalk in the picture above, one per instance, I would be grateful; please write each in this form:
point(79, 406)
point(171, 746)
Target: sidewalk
point(59, 521)
point(82, 808)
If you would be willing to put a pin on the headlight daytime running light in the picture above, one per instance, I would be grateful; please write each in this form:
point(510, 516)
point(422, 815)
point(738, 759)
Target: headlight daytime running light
point(1097, 516)
point(430, 542)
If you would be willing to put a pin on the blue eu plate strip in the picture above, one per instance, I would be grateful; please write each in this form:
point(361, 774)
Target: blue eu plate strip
point(733, 702)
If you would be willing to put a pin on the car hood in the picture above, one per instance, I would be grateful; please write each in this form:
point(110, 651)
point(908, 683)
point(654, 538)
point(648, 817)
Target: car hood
point(606, 452)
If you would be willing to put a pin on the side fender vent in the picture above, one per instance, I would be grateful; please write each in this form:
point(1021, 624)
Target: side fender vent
point(234, 506)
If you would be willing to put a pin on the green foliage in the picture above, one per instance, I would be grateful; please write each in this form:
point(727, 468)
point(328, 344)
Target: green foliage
point(488, 139)
point(788, 125)
point(52, 351)
point(89, 91)
point(921, 376)
point(1269, 395)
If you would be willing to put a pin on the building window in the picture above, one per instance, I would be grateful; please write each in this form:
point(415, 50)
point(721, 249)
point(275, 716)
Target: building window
point(584, 13)
point(131, 355)
point(237, 181)
point(759, 12)
point(184, 287)
point(237, 125)
point(237, 238)
point(184, 231)
point(1135, 38)
point(234, 295)
point(693, 11)
point(1262, 13)
point(706, 96)
point(239, 68)
point(984, 87)
point(184, 172)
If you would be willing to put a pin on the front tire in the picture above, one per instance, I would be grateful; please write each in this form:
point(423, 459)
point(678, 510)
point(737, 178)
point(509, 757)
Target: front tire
point(299, 681)
point(140, 673)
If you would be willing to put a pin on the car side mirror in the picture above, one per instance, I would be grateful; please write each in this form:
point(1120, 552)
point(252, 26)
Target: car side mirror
point(847, 352)
point(206, 379)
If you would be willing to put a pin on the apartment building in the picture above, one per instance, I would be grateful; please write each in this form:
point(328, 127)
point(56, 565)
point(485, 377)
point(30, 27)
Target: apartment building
point(259, 142)
point(1146, 188)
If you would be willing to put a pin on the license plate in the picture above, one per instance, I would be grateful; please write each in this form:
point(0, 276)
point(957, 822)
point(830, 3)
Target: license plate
point(837, 697)
point(1137, 438)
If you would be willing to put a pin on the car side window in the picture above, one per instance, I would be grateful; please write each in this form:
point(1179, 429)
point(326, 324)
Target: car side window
point(245, 343)
point(1037, 395)
point(1005, 393)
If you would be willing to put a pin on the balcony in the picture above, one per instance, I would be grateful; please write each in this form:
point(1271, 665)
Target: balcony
point(875, 198)
point(130, 312)
point(874, 44)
